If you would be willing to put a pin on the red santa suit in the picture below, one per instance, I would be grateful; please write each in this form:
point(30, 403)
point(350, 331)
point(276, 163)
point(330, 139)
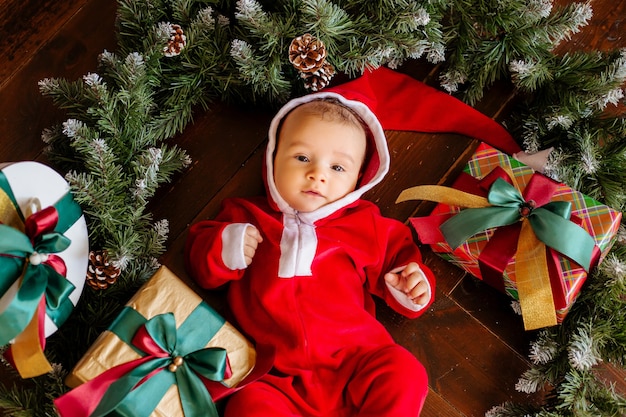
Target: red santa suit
point(308, 293)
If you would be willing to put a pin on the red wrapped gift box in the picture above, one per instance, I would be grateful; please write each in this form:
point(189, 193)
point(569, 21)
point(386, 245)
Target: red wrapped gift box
point(491, 254)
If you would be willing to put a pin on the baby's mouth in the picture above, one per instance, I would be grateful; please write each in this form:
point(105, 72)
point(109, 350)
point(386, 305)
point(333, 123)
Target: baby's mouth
point(313, 193)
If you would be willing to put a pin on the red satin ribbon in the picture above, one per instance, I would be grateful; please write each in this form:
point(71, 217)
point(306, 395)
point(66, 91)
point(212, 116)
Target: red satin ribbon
point(497, 254)
point(43, 221)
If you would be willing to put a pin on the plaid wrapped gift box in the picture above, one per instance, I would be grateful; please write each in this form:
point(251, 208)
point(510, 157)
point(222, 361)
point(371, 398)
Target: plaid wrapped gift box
point(476, 253)
point(167, 354)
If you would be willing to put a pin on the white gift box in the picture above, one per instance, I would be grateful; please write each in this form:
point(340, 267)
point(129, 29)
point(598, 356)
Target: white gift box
point(36, 186)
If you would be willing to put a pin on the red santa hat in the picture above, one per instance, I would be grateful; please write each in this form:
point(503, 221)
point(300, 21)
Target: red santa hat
point(404, 103)
point(388, 100)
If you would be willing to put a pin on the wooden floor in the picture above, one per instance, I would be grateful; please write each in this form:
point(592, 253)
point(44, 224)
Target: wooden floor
point(472, 344)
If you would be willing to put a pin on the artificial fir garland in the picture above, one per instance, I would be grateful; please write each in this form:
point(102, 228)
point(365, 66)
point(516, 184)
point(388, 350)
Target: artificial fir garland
point(175, 56)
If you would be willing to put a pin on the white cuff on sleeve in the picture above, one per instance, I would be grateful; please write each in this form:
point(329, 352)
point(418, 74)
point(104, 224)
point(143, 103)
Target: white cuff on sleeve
point(232, 245)
point(403, 299)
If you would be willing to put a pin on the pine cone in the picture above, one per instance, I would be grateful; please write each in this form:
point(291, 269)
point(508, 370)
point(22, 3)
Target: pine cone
point(101, 274)
point(177, 41)
point(319, 79)
point(307, 53)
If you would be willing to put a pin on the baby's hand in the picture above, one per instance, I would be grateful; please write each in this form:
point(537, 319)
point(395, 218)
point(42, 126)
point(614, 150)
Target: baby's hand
point(251, 241)
point(411, 281)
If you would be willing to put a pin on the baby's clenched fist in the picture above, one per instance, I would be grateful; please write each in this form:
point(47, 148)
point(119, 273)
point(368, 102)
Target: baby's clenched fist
point(251, 241)
point(411, 281)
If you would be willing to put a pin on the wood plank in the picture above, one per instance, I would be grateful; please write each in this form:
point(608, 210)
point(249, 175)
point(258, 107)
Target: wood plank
point(26, 27)
point(246, 182)
point(604, 32)
point(493, 310)
point(438, 406)
point(71, 53)
point(612, 375)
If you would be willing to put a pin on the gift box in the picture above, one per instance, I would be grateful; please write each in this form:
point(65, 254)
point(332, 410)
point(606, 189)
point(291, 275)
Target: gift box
point(519, 231)
point(167, 354)
point(44, 251)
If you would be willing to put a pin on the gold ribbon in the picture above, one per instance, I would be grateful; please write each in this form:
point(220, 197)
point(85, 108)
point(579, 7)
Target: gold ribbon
point(533, 280)
point(445, 195)
point(26, 348)
point(8, 213)
point(28, 355)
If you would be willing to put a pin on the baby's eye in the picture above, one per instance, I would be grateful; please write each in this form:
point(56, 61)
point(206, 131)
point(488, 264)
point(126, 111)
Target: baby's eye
point(302, 158)
point(337, 168)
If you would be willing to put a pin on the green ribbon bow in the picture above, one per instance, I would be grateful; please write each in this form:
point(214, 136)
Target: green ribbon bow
point(138, 391)
point(38, 279)
point(550, 222)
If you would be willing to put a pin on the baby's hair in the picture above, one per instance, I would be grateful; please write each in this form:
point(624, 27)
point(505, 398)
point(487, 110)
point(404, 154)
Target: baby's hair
point(332, 109)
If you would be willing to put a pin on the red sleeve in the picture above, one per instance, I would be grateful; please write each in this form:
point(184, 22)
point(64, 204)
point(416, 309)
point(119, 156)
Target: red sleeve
point(203, 249)
point(399, 249)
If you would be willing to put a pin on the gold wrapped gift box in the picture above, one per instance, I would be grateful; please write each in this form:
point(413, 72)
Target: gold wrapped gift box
point(164, 292)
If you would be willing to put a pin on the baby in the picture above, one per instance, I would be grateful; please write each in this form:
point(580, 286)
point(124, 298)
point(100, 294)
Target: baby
point(303, 263)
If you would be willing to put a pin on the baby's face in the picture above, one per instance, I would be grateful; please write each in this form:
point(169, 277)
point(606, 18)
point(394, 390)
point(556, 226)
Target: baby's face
point(317, 161)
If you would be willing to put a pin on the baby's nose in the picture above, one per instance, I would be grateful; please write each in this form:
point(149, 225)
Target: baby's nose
point(316, 173)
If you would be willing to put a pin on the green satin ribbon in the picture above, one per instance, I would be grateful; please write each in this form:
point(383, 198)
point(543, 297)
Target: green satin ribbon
point(549, 222)
point(127, 399)
point(37, 280)
point(69, 212)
